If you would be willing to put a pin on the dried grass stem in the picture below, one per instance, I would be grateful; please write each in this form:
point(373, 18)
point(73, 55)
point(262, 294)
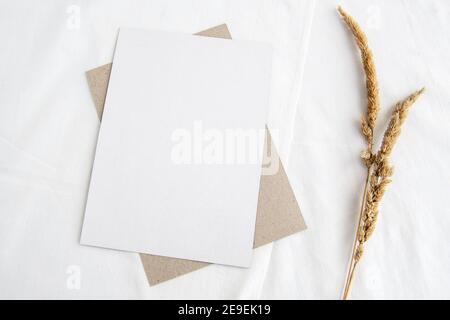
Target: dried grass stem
point(378, 166)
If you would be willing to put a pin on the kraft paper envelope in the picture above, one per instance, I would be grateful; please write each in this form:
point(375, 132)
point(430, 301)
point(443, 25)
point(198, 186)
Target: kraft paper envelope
point(278, 214)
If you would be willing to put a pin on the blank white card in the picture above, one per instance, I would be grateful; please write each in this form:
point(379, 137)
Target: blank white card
point(178, 160)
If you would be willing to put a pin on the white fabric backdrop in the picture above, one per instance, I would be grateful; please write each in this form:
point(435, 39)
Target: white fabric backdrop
point(409, 253)
point(48, 129)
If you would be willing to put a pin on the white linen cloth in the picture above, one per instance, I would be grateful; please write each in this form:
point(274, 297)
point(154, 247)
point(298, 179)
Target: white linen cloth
point(48, 127)
point(408, 256)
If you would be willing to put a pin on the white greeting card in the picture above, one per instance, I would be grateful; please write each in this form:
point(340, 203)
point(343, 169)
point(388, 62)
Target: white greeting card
point(184, 124)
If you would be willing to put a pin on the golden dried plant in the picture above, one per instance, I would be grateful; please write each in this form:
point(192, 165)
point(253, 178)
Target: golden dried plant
point(373, 101)
point(379, 169)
